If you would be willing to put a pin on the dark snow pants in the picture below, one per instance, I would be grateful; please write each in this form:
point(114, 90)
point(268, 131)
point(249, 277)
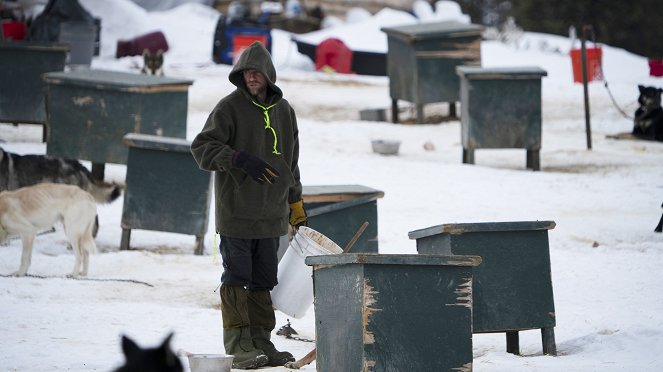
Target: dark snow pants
point(249, 263)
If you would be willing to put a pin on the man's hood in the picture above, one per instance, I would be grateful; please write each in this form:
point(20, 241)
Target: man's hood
point(256, 57)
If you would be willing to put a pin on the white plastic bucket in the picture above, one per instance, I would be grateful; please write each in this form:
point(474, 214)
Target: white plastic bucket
point(294, 293)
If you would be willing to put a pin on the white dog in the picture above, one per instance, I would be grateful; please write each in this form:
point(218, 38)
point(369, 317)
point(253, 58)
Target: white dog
point(30, 209)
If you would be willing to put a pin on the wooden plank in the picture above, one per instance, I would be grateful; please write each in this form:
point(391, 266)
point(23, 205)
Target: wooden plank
point(115, 80)
point(433, 30)
point(35, 46)
point(337, 193)
point(476, 72)
point(334, 197)
point(148, 141)
point(461, 228)
point(394, 259)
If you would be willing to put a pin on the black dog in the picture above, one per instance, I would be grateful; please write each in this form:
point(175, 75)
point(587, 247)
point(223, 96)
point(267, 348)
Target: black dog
point(659, 228)
point(18, 171)
point(648, 121)
point(159, 359)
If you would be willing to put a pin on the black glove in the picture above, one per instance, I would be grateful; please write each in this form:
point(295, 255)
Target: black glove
point(255, 167)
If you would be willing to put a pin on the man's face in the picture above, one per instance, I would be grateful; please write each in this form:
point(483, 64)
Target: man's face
point(256, 82)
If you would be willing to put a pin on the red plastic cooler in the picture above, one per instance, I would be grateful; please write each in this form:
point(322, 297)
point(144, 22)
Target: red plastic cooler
point(242, 41)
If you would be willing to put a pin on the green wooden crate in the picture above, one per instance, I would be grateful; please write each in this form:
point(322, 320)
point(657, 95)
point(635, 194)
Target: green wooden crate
point(512, 287)
point(165, 189)
point(421, 62)
point(501, 108)
point(90, 111)
point(393, 312)
point(338, 211)
point(21, 67)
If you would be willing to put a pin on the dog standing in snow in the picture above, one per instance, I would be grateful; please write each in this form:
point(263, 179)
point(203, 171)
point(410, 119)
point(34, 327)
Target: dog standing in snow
point(18, 171)
point(31, 209)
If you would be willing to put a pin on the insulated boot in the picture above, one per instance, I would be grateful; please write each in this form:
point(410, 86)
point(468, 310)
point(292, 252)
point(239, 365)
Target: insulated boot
point(238, 343)
point(261, 339)
point(263, 321)
point(237, 331)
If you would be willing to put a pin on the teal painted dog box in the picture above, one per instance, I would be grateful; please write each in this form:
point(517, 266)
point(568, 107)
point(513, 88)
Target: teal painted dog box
point(338, 211)
point(90, 111)
point(377, 312)
point(21, 67)
point(421, 62)
point(512, 287)
point(165, 189)
point(501, 108)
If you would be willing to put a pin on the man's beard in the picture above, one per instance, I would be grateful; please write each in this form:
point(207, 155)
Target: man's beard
point(256, 92)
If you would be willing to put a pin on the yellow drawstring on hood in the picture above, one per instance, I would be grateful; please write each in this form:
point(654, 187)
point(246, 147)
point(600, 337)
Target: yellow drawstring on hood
point(265, 111)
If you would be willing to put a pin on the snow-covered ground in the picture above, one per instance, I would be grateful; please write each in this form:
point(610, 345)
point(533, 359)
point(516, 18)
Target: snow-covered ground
point(606, 260)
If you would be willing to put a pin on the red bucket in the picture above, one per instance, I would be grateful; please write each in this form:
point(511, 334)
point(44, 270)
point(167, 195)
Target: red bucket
point(13, 30)
point(656, 67)
point(594, 56)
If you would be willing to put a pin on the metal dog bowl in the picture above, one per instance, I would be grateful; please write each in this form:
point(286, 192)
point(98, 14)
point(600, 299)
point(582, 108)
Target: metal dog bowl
point(386, 147)
point(210, 362)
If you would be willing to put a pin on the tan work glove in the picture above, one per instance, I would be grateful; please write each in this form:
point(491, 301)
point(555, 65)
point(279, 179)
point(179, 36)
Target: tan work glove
point(298, 214)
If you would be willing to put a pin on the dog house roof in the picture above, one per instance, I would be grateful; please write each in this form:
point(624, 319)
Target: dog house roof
point(116, 80)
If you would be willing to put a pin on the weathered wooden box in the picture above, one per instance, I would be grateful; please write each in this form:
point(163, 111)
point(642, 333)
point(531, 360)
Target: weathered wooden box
point(338, 211)
point(393, 312)
point(21, 67)
point(90, 111)
point(501, 108)
point(165, 189)
point(512, 287)
point(422, 58)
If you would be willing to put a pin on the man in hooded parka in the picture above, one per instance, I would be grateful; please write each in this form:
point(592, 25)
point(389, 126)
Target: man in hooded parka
point(250, 142)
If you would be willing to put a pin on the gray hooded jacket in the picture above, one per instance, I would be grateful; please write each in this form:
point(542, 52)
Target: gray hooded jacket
point(268, 130)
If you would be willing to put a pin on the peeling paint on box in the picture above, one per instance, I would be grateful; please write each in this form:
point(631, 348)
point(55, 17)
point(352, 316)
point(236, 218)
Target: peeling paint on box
point(137, 122)
point(369, 299)
point(464, 294)
point(368, 365)
point(82, 101)
point(467, 367)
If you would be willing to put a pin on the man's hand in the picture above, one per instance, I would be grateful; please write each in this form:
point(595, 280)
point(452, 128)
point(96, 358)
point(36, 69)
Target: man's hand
point(255, 167)
point(298, 214)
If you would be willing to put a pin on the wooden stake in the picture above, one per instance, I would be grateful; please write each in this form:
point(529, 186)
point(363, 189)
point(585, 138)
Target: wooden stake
point(355, 237)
